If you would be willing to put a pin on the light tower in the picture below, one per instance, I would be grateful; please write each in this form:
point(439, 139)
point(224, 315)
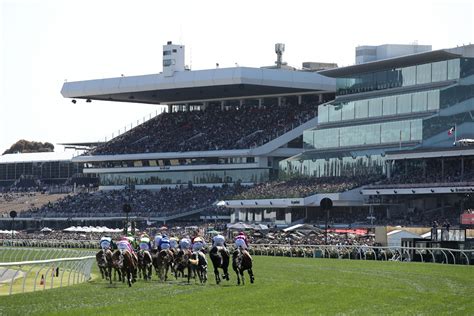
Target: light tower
point(279, 49)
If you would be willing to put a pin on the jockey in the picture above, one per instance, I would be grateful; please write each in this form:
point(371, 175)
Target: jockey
point(124, 244)
point(106, 243)
point(132, 240)
point(157, 241)
point(144, 242)
point(185, 243)
point(218, 240)
point(198, 243)
point(164, 243)
point(174, 242)
point(241, 241)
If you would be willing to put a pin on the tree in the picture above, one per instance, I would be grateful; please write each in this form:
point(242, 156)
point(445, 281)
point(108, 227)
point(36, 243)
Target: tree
point(24, 146)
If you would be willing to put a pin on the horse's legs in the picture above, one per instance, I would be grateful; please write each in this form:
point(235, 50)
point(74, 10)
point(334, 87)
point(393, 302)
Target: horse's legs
point(167, 266)
point(252, 278)
point(226, 273)
point(242, 275)
point(109, 273)
point(129, 277)
point(189, 273)
point(216, 273)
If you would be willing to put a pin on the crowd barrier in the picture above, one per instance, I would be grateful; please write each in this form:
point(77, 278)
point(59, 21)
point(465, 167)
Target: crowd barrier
point(27, 269)
point(394, 253)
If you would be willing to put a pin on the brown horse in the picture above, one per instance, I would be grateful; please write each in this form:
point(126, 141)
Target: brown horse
point(198, 266)
point(241, 261)
point(220, 259)
point(104, 261)
point(181, 263)
point(162, 262)
point(145, 264)
point(126, 263)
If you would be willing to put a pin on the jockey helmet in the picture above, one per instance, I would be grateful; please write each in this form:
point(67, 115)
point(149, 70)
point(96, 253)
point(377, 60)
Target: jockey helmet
point(241, 233)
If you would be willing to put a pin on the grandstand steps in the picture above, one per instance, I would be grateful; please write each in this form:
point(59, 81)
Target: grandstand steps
point(284, 139)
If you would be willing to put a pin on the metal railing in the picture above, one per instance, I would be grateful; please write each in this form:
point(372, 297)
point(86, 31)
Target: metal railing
point(48, 243)
point(394, 253)
point(36, 269)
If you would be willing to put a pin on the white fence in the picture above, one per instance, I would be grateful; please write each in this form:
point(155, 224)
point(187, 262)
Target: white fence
point(407, 254)
point(35, 269)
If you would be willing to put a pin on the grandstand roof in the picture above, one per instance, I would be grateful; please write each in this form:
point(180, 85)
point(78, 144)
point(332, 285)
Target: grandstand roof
point(212, 84)
point(403, 61)
point(36, 157)
point(431, 153)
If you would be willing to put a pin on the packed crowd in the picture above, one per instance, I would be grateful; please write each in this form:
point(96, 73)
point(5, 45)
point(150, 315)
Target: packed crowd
point(434, 173)
point(273, 236)
point(142, 202)
point(303, 187)
point(210, 129)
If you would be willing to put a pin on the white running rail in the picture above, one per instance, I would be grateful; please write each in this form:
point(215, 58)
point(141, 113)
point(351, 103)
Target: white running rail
point(35, 269)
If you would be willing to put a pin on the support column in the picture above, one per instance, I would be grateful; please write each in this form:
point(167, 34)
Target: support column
point(279, 101)
point(250, 216)
point(241, 102)
point(205, 104)
point(462, 168)
point(320, 98)
point(257, 216)
point(288, 216)
point(222, 105)
point(170, 108)
point(186, 106)
point(300, 99)
point(260, 103)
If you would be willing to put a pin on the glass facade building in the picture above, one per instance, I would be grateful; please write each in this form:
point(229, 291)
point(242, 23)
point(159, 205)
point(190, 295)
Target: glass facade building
point(398, 104)
point(184, 177)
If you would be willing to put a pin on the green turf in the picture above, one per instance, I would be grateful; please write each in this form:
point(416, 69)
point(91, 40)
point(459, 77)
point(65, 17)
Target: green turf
point(283, 286)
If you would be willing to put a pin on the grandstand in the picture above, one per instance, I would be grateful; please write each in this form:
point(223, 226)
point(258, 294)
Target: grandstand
point(270, 143)
point(400, 123)
point(40, 171)
point(222, 126)
point(224, 129)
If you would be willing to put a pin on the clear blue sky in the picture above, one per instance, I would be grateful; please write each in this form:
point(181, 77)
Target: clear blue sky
point(45, 42)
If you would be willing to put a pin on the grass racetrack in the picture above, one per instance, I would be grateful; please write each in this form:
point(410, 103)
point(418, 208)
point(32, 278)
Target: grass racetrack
point(283, 286)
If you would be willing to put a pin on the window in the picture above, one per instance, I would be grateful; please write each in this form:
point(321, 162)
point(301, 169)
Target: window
point(166, 52)
point(175, 51)
point(423, 74)
point(404, 103)
point(375, 107)
point(440, 71)
point(361, 109)
point(420, 100)
point(389, 106)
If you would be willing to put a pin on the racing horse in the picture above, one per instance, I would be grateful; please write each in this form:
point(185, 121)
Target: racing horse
point(220, 259)
point(198, 266)
point(162, 263)
point(241, 261)
point(104, 262)
point(181, 263)
point(125, 262)
point(145, 264)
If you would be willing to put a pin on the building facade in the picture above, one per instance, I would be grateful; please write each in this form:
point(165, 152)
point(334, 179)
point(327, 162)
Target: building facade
point(412, 102)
